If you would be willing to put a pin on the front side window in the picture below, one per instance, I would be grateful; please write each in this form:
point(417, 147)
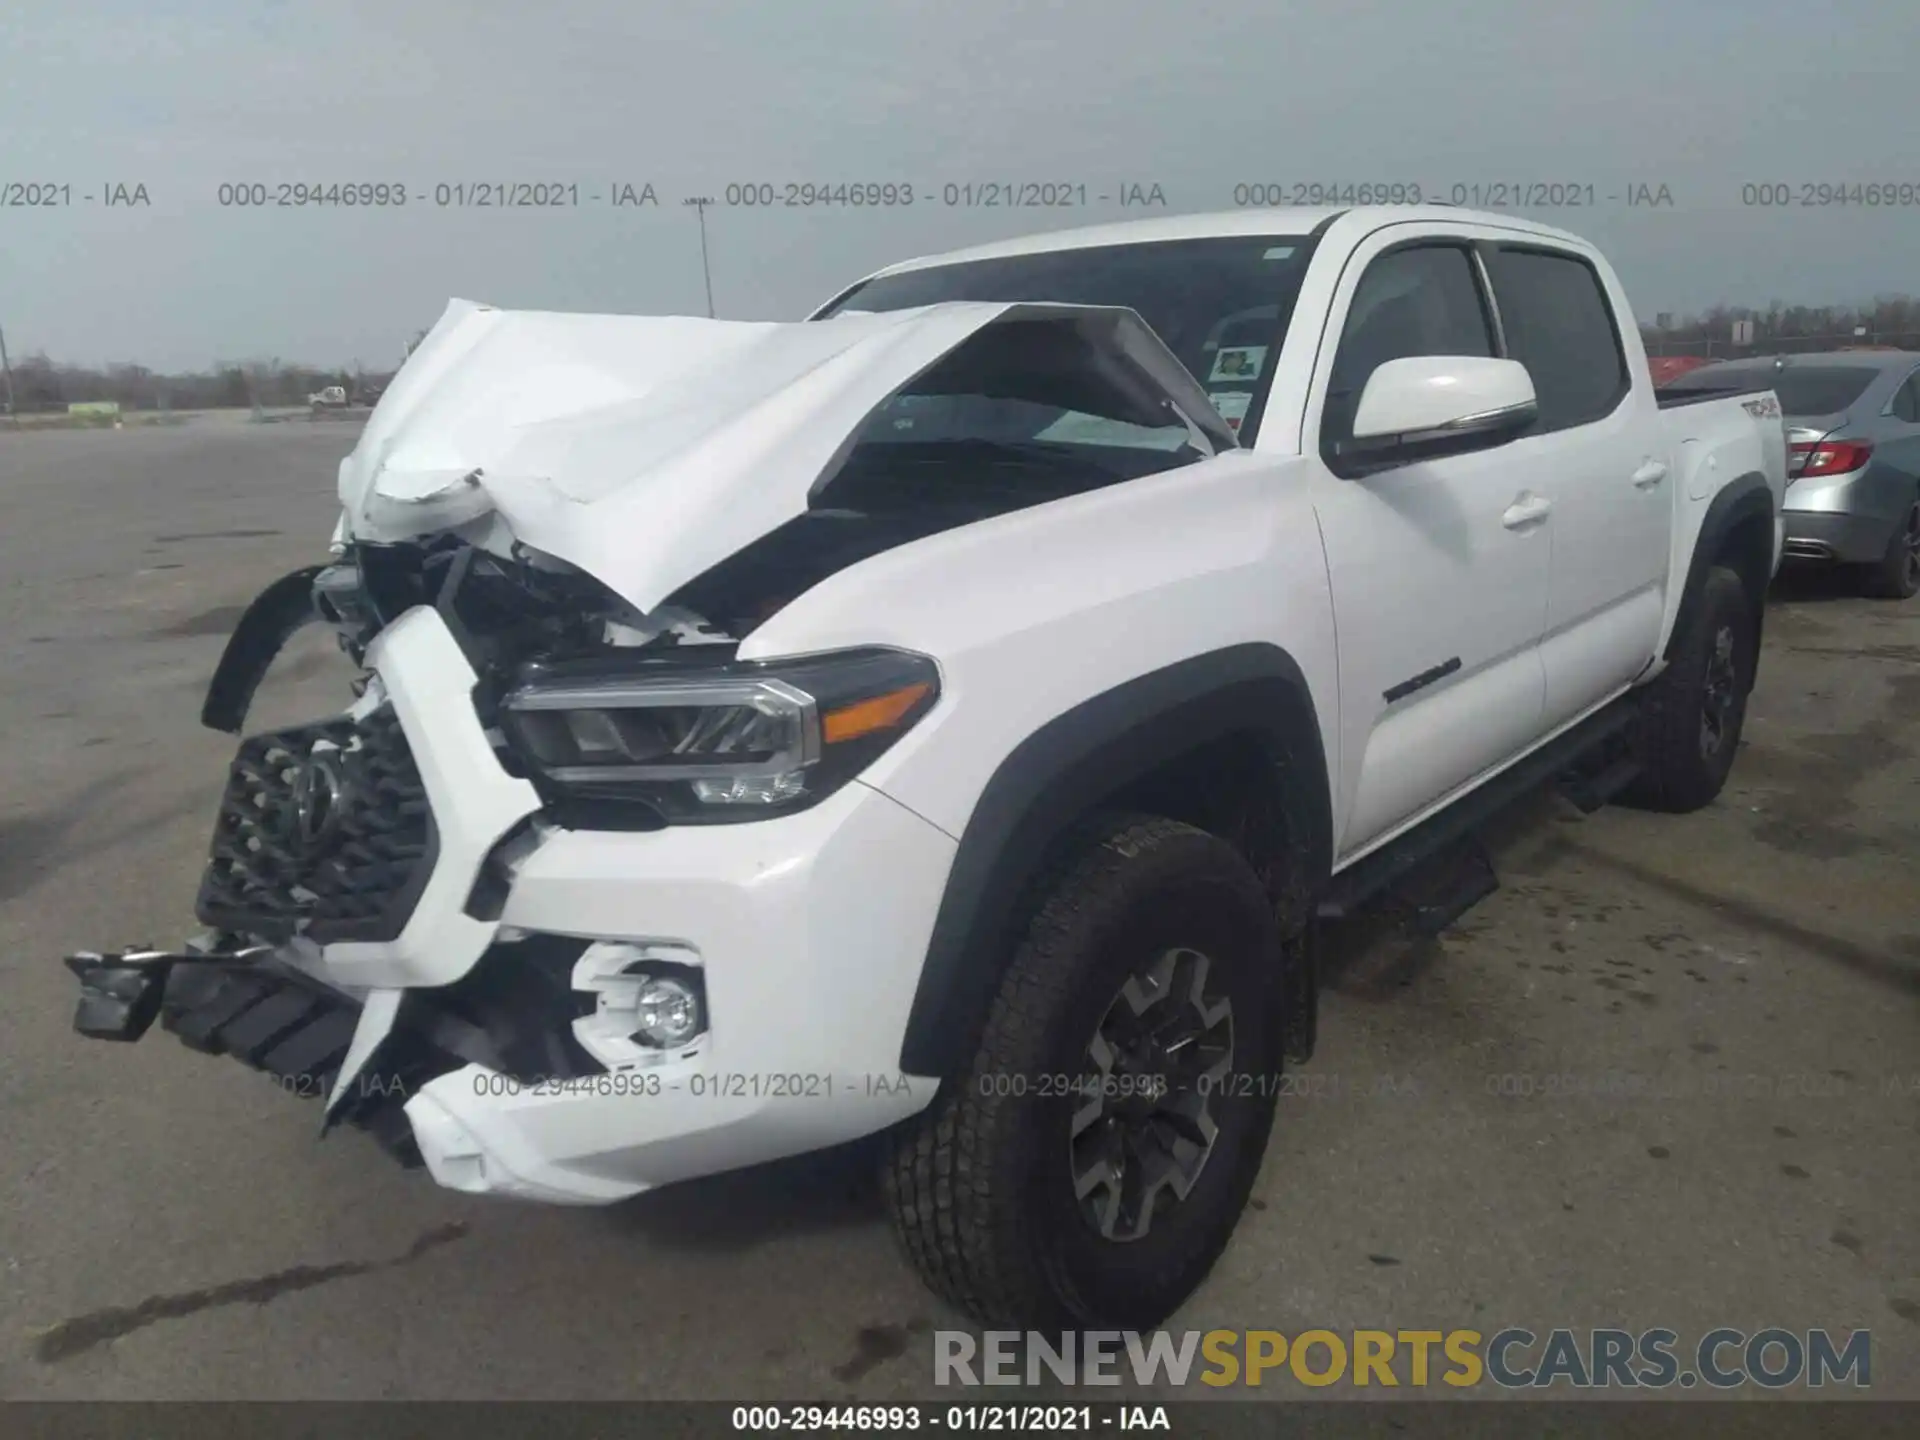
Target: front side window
point(1422, 300)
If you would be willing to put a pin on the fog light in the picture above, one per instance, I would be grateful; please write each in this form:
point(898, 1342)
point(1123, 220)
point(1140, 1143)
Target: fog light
point(668, 1011)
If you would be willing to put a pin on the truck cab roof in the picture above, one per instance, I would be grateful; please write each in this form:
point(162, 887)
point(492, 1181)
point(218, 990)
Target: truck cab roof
point(1264, 220)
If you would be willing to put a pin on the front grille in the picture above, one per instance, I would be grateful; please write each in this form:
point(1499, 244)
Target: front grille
point(324, 830)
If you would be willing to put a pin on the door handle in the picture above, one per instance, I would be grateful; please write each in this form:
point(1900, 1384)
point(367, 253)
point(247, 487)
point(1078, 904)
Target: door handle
point(1650, 474)
point(1528, 510)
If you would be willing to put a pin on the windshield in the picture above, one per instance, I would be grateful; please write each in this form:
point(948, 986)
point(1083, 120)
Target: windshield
point(1803, 389)
point(1220, 304)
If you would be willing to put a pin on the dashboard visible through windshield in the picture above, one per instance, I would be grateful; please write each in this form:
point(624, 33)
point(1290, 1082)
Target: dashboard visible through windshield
point(1221, 304)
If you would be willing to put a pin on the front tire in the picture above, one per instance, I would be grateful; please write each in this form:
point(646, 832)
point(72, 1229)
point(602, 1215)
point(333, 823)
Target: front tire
point(1089, 1166)
point(1693, 713)
point(1897, 576)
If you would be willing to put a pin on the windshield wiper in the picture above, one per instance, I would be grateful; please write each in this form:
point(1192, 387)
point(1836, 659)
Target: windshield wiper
point(1032, 454)
point(1021, 450)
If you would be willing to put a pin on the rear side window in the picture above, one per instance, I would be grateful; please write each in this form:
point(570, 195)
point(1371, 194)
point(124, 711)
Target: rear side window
point(1423, 300)
point(1558, 324)
point(1906, 400)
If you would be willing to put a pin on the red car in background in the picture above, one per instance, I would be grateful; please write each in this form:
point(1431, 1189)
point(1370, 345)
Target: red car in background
point(1672, 367)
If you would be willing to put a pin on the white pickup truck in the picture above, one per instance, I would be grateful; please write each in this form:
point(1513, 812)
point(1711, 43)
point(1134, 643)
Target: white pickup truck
point(946, 718)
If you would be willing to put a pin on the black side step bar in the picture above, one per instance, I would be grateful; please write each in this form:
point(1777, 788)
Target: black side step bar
point(1366, 878)
point(1589, 792)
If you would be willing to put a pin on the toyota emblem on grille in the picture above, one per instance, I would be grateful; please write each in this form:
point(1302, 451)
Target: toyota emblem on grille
point(319, 802)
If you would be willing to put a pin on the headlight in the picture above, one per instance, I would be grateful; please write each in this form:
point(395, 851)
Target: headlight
point(727, 742)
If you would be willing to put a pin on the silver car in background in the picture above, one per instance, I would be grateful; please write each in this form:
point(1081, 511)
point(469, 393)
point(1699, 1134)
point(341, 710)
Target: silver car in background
point(1853, 461)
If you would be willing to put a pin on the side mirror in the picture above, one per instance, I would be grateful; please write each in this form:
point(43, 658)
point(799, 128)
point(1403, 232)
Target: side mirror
point(1430, 405)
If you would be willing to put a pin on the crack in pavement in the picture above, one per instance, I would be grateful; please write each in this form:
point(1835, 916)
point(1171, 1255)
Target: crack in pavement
point(1863, 959)
point(85, 1332)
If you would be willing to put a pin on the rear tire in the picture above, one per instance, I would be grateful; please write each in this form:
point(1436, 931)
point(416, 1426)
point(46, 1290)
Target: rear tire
point(1897, 576)
point(1011, 1191)
point(1693, 713)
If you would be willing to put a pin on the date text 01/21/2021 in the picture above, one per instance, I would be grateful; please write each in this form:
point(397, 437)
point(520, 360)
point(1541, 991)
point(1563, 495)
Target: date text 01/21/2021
point(1476, 195)
point(62, 195)
point(756, 194)
point(1236, 1084)
point(443, 195)
point(969, 195)
point(907, 1417)
point(702, 1085)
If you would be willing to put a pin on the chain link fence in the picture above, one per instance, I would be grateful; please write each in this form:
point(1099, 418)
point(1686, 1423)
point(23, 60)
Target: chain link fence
point(1722, 348)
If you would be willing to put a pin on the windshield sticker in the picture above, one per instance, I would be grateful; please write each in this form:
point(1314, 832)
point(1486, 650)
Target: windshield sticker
point(1232, 405)
point(1237, 362)
point(1279, 252)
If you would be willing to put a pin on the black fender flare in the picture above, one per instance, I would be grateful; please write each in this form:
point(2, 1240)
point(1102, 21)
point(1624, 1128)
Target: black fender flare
point(1063, 772)
point(1744, 498)
point(268, 623)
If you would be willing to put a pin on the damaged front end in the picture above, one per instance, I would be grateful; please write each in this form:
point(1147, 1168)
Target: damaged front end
point(221, 994)
point(327, 963)
point(360, 866)
point(544, 577)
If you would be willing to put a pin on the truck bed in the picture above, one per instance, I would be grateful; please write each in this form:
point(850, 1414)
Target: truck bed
point(1674, 396)
point(1716, 436)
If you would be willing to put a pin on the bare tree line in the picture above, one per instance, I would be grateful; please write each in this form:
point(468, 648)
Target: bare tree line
point(42, 384)
point(1890, 320)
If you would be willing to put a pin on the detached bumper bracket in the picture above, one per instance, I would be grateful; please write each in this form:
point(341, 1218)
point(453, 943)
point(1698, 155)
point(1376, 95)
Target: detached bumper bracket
point(121, 995)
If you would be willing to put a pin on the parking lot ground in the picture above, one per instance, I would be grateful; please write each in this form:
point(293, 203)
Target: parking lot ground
point(1666, 1076)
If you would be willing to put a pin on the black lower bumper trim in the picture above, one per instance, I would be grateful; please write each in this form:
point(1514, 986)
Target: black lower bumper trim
point(121, 995)
point(260, 1011)
point(240, 1003)
point(512, 1013)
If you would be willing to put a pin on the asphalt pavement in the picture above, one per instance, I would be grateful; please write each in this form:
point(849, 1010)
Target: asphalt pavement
point(1666, 1076)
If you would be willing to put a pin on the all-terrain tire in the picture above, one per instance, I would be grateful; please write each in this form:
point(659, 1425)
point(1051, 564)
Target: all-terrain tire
point(981, 1185)
point(1685, 757)
point(1897, 575)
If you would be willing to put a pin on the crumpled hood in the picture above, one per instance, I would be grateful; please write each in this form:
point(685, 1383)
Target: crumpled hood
point(646, 449)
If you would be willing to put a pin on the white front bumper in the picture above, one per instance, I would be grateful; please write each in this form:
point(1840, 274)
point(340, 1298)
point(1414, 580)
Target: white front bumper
point(809, 931)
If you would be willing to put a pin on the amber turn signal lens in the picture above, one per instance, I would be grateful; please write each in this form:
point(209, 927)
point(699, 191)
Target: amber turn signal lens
point(882, 712)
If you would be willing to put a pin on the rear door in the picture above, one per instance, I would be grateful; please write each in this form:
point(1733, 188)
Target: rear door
point(1593, 453)
point(1438, 567)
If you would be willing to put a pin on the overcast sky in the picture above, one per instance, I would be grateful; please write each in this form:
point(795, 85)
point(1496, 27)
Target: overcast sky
point(1701, 96)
